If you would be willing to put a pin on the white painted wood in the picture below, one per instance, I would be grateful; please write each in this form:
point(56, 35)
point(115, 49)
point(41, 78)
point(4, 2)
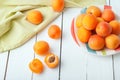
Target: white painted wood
point(99, 68)
point(3, 60)
point(107, 2)
point(117, 66)
point(19, 59)
point(73, 58)
point(115, 6)
point(49, 74)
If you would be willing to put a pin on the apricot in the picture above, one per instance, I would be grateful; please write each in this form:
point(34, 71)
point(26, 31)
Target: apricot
point(51, 60)
point(58, 5)
point(115, 27)
point(41, 47)
point(112, 41)
point(79, 20)
point(83, 34)
point(103, 29)
point(100, 19)
point(54, 32)
point(34, 17)
point(108, 15)
point(94, 10)
point(89, 22)
point(36, 66)
point(96, 42)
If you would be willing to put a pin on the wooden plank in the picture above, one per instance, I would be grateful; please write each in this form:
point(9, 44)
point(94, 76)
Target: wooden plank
point(18, 62)
point(3, 60)
point(115, 6)
point(117, 66)
point(73, 58)
point(100, 68)
point(51, 74)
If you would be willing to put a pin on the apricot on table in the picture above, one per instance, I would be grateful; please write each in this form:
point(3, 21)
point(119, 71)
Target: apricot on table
point(34, 17)
point(41, 47)
point(36, 66)
point(54, 32)
point(51, 60)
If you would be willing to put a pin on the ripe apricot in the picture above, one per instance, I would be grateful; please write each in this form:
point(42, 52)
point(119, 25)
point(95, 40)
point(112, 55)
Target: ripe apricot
point(51, 60)
point(54, 32)
point(41, 47)
point(83, 34)
point(94, 10)
point(36, 66)
point(89, 22)
point(108, 15)
point(58, 5)
point(34, 17)
point(96, 42)
point(112, 41)
point(100, 19)
point(103, 29)
point(79, 20)
point(115, 26)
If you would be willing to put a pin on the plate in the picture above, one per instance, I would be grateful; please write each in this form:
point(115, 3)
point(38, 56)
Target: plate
point(104, 52)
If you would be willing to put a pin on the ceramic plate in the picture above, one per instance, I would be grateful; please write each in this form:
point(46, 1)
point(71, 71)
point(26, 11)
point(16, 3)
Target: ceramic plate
point(104, 52)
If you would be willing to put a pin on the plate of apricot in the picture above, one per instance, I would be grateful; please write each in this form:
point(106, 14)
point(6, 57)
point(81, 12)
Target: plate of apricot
point(97, 30)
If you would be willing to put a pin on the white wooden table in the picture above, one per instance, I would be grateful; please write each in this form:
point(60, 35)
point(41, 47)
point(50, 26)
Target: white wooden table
point(75, 63)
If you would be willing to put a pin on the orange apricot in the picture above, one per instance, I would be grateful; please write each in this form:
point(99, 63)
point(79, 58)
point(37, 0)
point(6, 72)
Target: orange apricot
point(112, 41)
point(34, 17)
point(108, 15)
point(58, 5)
point(36, 66)
point(94, 10)
point(41, 47)
point(100, 19)
point(54, 32)
point(51, 60)
point(115, 26)
point(79, 20)
point(103, 29)
point(83, 34)
point(89, 22)
point(96, 42)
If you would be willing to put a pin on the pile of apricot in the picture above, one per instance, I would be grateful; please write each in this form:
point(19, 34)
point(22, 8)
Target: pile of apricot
point(99, 28)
